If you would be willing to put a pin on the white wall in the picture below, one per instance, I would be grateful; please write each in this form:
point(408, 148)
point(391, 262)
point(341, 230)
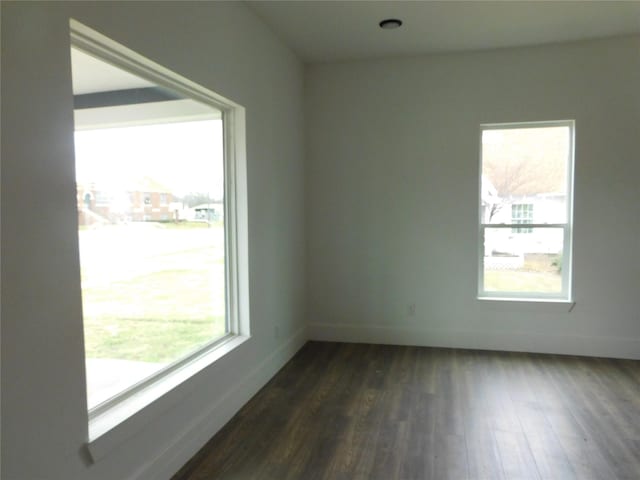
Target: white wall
point(392, 182)
point(225, 48)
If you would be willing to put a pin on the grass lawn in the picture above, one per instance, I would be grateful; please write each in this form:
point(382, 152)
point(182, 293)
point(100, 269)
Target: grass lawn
point(522, 281)
point(152, 293)
point(538, 274)
point(147, 339)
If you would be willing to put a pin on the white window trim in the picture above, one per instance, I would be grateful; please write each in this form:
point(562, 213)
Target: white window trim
point(119, 412)
point(533, 298)
point(520, 305)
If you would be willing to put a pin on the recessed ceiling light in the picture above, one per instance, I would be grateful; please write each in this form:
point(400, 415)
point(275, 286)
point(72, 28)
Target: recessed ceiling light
point(390, 23)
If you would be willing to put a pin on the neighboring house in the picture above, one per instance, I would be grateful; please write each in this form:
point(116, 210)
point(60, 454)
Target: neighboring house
point(143, 200)
point(97, 204)
point(209, 212)
point(522, 209)
point(150, 201)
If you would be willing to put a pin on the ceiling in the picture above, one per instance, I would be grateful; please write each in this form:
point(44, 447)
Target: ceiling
point(91, 75)
point(320, 31)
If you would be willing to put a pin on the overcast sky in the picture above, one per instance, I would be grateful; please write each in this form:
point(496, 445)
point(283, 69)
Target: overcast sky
point(186, 157)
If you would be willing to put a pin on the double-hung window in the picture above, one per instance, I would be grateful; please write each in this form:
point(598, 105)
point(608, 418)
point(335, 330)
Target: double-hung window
point(526, 179)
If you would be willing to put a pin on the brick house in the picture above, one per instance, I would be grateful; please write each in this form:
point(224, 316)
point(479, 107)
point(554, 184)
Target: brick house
point(145, 200)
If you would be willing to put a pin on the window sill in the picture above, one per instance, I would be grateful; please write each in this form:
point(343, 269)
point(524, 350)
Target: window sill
point(112, 427)
point(547, 305)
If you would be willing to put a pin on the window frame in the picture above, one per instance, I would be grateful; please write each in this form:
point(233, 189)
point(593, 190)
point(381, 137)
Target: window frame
point(566, 294)
point(105, 416)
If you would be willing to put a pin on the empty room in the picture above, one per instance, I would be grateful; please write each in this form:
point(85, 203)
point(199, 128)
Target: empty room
point(320, 240)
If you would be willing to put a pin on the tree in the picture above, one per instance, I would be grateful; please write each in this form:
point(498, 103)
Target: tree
point(193, 199)
point(522, 162)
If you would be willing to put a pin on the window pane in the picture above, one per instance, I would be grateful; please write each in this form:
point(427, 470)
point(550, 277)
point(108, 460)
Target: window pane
point(514, 262)
point(150, 190)
point(527, 168)
point(521, 214)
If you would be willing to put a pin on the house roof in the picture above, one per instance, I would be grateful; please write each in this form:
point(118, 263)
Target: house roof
point(148, 184)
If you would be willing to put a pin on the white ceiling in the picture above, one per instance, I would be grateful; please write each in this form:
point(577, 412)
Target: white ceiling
point(346, 30)
point(91, 75)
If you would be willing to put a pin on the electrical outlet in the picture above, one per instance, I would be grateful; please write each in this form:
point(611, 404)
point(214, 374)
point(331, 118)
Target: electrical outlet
point(411, 310)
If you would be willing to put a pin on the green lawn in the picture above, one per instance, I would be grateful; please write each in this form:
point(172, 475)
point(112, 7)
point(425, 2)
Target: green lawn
point(152, 293)
point(522, 281)
point(148, 339)
point(190, 225)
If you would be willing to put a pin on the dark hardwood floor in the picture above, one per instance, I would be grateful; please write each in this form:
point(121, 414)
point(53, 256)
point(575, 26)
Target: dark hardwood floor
point(347, 411)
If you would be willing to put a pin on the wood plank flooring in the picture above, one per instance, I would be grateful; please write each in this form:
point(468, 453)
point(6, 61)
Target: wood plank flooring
point(353, 411)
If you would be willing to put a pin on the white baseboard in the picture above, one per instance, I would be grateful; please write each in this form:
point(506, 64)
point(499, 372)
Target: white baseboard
point(515, 342)
point(187, 443)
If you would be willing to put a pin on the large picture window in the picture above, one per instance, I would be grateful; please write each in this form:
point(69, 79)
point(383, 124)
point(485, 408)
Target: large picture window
point(161, 205)
point(526, 179)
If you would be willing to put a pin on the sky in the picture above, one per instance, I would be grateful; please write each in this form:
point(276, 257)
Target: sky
point(185, 157)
